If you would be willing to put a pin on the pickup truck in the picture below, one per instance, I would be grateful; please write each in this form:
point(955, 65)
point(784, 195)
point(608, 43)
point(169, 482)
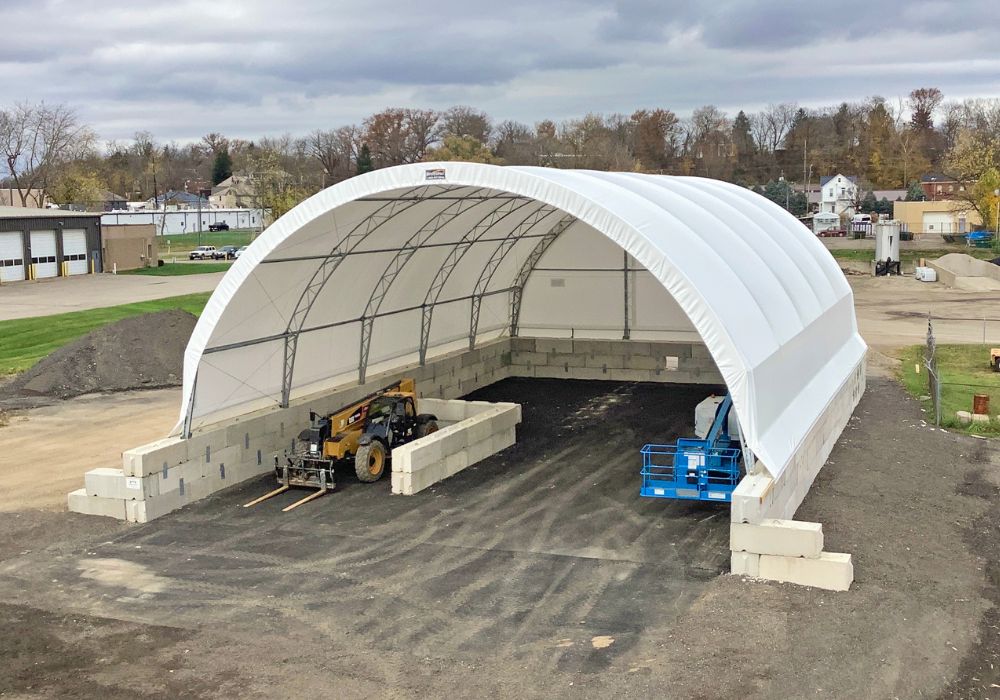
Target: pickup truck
point(202, 252)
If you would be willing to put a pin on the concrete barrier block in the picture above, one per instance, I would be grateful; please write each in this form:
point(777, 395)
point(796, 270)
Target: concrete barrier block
point(592, 347)
point(564, 361)
point(202, 445)
point(503, 440)
point(554, 345)
point(832, 571)
point(147, 459)
point(522, 345)
point(425, 454)
point(444, 410)
point(789, 538)
point(630, 375)
point(629, 347)
point(529, 358)
point(80, 502)
point(453, 439)
point(744, 564)
point(474, 408)
point(603, 362)
point(751, 498)
point(586, 373)
point(479, 427)
point(507, 418)
point(646, 362)
point(396, 479)
point(145, 511)
point(456, 462)
point(479, 451)
point(106, 482)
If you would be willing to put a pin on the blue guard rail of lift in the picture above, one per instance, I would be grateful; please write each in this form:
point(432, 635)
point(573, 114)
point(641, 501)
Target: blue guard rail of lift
point(693, 469)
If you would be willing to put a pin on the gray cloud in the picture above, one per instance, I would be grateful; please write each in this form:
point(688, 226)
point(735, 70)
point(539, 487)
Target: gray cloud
point(250, 67)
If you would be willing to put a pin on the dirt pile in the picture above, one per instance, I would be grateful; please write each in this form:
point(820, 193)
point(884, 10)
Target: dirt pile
point(141, 352)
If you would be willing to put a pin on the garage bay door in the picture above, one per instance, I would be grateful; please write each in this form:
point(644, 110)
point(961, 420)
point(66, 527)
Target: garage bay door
point(11, 257)
point(939, 222)
point(75, 251)
point(43, 254)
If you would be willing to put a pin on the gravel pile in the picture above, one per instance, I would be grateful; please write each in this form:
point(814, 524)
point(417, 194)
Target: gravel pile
point(141, 352)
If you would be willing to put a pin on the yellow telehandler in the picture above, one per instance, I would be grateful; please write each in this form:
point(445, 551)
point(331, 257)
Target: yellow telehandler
point(362, 434)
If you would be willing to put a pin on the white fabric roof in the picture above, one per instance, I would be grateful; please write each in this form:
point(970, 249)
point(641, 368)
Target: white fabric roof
point(770, 303)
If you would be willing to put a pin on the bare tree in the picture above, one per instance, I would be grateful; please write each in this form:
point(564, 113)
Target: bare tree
point(335, 151)
point(36, 141)
point(770, 126)
point(467, 122)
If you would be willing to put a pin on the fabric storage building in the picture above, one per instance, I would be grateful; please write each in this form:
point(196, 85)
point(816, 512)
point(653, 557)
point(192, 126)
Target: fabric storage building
point(459, 275)
point(45, 243)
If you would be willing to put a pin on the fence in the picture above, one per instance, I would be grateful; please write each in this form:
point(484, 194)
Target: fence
point(930, 364)
point(976, 336)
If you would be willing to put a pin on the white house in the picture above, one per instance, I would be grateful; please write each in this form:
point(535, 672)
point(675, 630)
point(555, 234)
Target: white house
point(838, 194)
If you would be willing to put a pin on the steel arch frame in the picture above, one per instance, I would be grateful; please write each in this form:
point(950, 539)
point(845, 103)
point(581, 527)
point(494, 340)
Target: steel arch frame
point(529, 265)
point(405, 253)
point(455, 256)
point(501, 251)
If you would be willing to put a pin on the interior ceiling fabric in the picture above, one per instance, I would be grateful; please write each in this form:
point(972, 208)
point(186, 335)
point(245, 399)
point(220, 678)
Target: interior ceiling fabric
point(768, 300)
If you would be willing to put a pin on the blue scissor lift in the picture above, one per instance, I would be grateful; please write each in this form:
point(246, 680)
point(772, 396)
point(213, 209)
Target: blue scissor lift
point(692, 469)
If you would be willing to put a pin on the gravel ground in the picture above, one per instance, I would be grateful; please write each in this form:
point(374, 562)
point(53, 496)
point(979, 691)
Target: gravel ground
point(539, 573)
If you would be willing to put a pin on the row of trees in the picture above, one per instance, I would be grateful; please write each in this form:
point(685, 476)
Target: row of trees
point(888, 144)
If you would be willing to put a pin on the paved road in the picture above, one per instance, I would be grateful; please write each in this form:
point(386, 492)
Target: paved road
point(46, 297)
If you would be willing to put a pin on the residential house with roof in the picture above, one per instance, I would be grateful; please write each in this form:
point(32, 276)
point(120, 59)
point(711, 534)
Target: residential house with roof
point(838, 193)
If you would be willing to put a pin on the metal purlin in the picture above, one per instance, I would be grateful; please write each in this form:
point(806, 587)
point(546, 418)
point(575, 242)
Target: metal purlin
point(526, 269)
point(498, 256)
point(328, 266)
point(396, 265)
point(463, 246)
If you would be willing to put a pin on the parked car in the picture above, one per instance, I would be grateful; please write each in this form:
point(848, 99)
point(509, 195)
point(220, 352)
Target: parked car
point(220, 226)
point(226, 252)
point(239, 252)
point(202, 252)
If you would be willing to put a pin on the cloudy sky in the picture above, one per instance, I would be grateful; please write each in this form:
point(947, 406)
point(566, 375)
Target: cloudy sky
point(246, 68)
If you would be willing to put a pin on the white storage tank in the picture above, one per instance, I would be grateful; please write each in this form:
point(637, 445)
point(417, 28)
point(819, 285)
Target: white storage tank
point(926, 274)
point(887, 240)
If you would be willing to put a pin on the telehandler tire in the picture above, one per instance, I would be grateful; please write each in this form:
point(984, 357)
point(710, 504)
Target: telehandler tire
point(369, 462)
point(425, 429)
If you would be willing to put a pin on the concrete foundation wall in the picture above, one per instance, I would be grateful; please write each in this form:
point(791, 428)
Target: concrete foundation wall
point(482, 429)
point(616, 360)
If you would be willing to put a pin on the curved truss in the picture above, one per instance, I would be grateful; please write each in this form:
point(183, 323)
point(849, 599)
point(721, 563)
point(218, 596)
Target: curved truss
point(403, 255)
point(486, 276)
point(463, 246)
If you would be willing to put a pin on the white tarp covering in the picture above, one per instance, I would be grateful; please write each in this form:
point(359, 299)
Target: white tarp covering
point(704, 256)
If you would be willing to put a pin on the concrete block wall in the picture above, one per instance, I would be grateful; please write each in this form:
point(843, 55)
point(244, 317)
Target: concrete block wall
point(764, 540)
point(167, 474)
point(482, 429)
point(616, 360)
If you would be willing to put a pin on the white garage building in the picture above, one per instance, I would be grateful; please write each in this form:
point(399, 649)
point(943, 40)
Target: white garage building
point(462, 274)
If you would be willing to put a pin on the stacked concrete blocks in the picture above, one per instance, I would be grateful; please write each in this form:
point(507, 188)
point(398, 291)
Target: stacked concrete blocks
point(764, 540)
point(167, 474)
point(790, 551)
point(481, 429)
point(616, 360)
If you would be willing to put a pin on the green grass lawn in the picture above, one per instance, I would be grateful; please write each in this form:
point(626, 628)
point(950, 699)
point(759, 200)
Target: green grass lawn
point(174, 269)
point(909, 256)
point(964, 370)
point(190, 241)
point(23, 342)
